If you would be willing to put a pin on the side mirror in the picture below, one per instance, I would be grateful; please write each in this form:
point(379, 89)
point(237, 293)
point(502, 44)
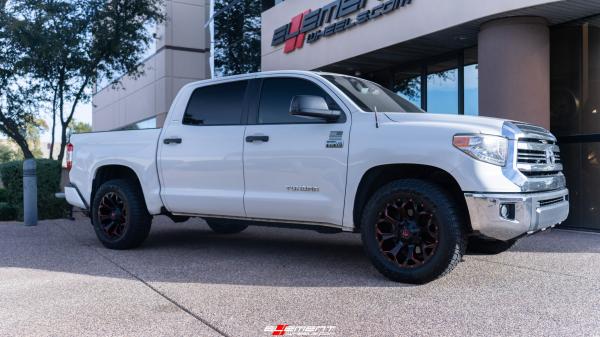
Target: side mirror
point(313, 107)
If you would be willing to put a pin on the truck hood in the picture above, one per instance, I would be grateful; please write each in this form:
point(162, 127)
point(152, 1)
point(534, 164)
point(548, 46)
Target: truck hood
point(458, 123)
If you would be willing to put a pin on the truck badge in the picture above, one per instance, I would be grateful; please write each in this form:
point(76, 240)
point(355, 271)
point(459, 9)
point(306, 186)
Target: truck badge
point(550, 156)
point(302, 188)
point(335, 140)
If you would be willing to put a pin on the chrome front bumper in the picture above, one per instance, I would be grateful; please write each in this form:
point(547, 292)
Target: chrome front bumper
point(527, 213)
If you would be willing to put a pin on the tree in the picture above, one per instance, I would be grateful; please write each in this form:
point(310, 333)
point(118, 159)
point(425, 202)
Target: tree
point(237, 37)
point(71, 45)
point(78, 127)
point(34, 133)
point(18, 92)
point(8, 153)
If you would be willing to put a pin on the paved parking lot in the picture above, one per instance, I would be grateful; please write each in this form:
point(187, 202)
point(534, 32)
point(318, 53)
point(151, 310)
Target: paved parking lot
point(56, 279)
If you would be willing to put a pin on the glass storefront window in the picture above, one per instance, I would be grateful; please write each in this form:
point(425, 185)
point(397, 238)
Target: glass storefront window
point(472, 90)
point(575, 114)
point(407, 84)
point(442, 92)
point(447, 86)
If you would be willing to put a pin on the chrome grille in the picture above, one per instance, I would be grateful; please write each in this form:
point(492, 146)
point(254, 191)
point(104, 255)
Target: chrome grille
point(537, 152)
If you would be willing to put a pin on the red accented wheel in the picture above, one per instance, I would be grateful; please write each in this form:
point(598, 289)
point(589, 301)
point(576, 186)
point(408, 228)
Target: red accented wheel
point(112, 213)
point(119, 215)
point(407, 232)
point(412, 231)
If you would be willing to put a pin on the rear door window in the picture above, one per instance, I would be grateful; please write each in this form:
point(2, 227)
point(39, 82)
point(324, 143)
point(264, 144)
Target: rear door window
point(219, 104)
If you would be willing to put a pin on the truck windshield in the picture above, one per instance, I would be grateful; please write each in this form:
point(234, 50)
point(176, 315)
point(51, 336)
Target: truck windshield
point(371, 97)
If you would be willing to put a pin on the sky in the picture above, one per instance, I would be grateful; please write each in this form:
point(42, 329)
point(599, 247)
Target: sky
point(82, 114)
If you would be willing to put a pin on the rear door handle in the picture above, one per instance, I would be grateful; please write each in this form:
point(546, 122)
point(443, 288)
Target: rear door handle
point(169, 141)
point(252, 139)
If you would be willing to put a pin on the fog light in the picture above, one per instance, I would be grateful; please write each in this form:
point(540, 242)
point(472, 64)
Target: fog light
point(504, 211)
point(507, 211)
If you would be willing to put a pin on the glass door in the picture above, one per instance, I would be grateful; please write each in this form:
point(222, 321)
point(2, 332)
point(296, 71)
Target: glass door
point(575, 107)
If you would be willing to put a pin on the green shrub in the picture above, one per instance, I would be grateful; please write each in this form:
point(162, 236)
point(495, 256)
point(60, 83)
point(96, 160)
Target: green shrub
point(48, 183)
point(7, 212)
point(3, 195)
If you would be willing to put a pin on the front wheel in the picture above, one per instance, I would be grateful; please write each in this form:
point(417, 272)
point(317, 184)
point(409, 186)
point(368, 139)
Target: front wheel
point(119, 215)
point(412, 231)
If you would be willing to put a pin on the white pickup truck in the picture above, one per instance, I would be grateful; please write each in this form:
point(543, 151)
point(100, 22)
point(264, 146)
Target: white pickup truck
point(326, 152)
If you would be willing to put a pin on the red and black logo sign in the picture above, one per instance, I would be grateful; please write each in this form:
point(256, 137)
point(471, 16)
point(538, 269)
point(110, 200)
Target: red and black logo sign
point(307, 26)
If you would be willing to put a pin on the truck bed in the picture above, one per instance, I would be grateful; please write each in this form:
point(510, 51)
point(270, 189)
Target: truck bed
point(135, 149)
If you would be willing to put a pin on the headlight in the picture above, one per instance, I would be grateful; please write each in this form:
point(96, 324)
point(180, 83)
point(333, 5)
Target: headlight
point(489, 149)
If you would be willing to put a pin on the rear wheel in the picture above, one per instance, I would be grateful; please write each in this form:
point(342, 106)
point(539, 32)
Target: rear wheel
point(412, 231)
point(489, 247)
point(222, 226)
point(119, 215)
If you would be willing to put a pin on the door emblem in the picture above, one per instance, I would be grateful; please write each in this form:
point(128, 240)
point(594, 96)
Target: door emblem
point(336, 140)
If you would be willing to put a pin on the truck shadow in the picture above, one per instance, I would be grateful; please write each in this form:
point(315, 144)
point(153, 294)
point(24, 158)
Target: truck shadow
point(192, 253)
point(258, 256)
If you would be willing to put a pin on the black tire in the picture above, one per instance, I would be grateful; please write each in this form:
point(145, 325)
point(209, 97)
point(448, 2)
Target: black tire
point(488, 247)
point(222, 226)
point(120, 225)
point(435, 226)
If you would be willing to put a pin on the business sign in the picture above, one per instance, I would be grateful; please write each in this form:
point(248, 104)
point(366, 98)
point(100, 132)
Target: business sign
point(334, 18)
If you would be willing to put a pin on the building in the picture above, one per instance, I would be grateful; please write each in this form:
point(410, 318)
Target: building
point(532, 60)
point(180, 55)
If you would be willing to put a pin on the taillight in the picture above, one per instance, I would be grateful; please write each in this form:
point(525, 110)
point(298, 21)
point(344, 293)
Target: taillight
point(69, 156)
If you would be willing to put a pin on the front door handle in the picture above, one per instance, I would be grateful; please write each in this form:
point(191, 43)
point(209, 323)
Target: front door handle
point(252, 139)
point(169, 141)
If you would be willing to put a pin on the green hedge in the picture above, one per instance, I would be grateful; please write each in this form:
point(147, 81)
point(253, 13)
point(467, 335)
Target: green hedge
point(48, 182)
point(7, 212)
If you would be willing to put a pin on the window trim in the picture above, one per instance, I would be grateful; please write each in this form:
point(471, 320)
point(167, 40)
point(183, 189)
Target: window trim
point(255, 110)
point(245, 105)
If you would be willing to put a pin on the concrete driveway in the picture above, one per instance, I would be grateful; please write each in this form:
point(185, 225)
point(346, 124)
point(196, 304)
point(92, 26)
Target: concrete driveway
point(56, 279)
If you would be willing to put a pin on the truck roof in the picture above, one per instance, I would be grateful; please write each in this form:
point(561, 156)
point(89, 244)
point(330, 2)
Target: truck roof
point(261, 74)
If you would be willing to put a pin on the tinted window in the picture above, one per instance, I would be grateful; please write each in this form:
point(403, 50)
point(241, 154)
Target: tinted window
point(220, 104)
point(276, 98)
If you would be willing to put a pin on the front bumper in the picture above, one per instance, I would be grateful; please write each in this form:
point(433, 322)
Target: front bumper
point(527, 213)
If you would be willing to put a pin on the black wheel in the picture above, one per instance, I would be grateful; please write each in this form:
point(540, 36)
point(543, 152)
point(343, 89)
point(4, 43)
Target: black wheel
point(119, 215)
point(412, 231)
point(222, 226)
point(488, 247)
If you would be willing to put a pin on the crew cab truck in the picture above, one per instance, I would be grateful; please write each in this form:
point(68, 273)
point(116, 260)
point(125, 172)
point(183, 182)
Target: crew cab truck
point(326, 152)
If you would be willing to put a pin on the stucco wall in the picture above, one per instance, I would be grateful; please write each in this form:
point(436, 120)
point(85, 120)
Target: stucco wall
point(514, 69)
